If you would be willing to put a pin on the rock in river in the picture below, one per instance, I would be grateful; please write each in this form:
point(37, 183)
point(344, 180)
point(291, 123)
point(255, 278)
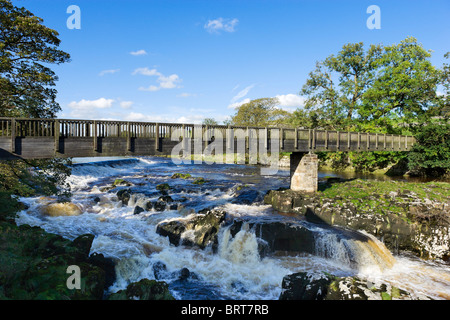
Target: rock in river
point(194, 230)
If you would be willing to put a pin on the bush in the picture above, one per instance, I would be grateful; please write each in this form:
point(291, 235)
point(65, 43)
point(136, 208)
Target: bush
point(430, 156)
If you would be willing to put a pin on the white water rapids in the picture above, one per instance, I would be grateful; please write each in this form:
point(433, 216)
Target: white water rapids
point(235, 271)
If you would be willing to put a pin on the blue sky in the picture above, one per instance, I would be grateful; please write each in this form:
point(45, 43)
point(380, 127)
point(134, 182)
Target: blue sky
point(183, 61)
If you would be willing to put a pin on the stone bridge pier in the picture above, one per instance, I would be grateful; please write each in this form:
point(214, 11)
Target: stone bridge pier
point(304, 169)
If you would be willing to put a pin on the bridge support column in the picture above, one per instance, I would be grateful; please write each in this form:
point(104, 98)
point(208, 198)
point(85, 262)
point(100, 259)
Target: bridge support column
point(304, 171)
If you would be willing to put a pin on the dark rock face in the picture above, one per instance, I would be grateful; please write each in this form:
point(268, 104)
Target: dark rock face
point(304, 286)
point(138, 210)
point(203, 229)
point(124, 196)
point(279, 236)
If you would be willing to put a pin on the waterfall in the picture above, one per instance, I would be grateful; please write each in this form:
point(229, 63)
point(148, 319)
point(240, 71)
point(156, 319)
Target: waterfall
point(242, 248)
point(362, 251)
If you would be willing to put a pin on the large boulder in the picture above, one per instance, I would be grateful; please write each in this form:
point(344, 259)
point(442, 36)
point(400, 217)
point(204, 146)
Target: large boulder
point(278, 236)
point(144, 289)
point(194, 230)
point(308, 286)
point(57, 209)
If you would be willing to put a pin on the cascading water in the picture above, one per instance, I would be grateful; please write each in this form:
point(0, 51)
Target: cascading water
point(362, 252)
point(236, 270)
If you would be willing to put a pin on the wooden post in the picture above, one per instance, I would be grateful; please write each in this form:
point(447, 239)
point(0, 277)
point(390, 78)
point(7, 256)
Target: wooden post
point(368, 141)
point(207, 136)
point(13, 135)
point(348, 140)
point(247, 140)
point(326, 139)
point(266, 138)
point(128, 136)
point(56, 124)
point(376, 141)
point(296, 139)
point(359, 140)
point(309, 139)
point(281, 139)
point(338, 140)
point(95, 133)
point(157, 137)
point(314, 139)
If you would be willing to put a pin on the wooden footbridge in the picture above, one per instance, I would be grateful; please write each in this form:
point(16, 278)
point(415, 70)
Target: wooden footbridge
point(49, 138)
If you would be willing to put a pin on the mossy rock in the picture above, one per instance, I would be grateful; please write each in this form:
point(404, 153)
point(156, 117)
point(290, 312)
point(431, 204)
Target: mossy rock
point(144, 289)
point(199, 181)
point(34, 265)
point(307, 286)
point(121, 182)
point(181, 176)
point(163, 187)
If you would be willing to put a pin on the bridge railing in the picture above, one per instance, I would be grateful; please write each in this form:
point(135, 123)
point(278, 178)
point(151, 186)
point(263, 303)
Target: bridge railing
point(310, 138)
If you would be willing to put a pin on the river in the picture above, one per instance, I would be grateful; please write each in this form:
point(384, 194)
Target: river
point(235, 271)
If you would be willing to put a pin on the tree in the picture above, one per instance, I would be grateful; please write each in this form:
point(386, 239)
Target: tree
point(444, 98)
point(260, 113)
point(334, 89)
point(386, 89)
point(209, 122)
point(26, 90)
point(404, 87)
point(430, 156)
point(25, 46)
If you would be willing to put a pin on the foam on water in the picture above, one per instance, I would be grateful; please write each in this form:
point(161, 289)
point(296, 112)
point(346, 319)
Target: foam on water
point(236, 271)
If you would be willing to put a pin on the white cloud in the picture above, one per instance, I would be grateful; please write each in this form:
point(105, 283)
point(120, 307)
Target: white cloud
point(165, 82)
point(221, 24)
point(88, 108)
point(186, 95)
point(236, 105)
point(290, 100)
point(242, 93)
point(168, 82)
point(109, 71)
point(137, 116)
point(101, 103)
point(146, 72)
point(138, 52)
point(126, 104)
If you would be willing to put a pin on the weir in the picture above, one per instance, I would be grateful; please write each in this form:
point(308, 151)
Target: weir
point(32, 138)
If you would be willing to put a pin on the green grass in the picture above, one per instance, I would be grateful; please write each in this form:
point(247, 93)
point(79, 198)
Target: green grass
point(385, 196)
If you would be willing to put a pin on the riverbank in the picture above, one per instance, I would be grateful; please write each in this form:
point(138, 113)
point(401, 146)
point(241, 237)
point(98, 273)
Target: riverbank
point(404, 215)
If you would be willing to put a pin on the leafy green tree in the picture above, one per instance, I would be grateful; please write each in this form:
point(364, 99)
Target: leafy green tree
point(260, 113)
point(26, 90)
point(335, 88)
point(404, 87)
point(26, 45)
point(430, 156)
point(387, 89)
point(444, 98)
point(209, 122)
